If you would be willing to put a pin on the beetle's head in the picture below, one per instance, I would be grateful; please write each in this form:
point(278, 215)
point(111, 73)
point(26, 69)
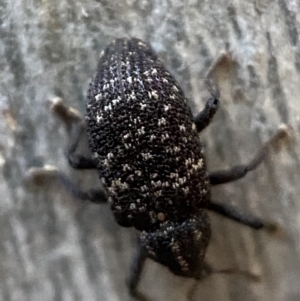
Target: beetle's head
point(180, 246)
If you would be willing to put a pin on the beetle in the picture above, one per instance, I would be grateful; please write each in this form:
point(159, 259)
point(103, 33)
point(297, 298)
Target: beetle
point(145, 147)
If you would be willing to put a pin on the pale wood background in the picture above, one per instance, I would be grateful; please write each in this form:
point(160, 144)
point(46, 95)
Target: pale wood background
point(53, 248)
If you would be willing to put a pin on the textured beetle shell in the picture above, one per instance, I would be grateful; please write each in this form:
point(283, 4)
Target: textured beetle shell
point(182, 246)
point(143, 138)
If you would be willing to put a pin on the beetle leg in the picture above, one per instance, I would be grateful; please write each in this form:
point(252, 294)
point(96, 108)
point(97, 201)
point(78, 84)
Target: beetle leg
point(136, 271)
point(78, 161)
point(207, 270)
point(239, 171)
point(93, 195)
point(234, 214)
point(243, 218)
point(40, 176)
point(203, 118)
point(76, 127)
point(67, 115)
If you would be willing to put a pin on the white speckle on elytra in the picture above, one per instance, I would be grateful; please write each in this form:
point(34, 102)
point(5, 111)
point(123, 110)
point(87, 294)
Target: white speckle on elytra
point(105, 87)
point(156, 184)
point(175, 88)
point(198, 166)
point(144, 188)
point(99, 118)
point(161, 121)
point(110, 156)
point(154, 94)
point(143, 106)
point(126, 167)
point(141, 131)
point(175, 185)
point(146, 156)
point(152, 137)
point(185, 190)
point(163, 138)
point(182, 180)
point(115, 101)
point(182, 128)
point(197, 234)
point(188, 161)
point(138, 172)
point(107, 108)
point(167, 107)
point(132, 96)
point(157, 193)
point(126, 136)
point(169, 150)
point(132, 206)
point(119, 184)
point(98, 96)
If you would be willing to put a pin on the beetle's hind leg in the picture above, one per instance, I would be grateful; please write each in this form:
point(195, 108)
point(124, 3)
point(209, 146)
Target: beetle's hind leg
point(207, 271)
point(136, 271)
point(75, 126)
point(246, 219)
point(239, 171)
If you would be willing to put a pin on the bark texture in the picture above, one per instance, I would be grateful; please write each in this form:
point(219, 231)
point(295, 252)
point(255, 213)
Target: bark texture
point(53, 247)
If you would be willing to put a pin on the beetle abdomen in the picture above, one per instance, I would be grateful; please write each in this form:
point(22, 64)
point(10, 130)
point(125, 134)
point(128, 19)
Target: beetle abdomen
point(143, 138)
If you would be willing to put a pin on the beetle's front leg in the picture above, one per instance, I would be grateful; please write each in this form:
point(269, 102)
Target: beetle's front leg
point(203, 118)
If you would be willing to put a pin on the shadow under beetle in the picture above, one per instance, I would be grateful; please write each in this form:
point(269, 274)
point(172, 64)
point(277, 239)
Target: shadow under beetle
point(145, 147)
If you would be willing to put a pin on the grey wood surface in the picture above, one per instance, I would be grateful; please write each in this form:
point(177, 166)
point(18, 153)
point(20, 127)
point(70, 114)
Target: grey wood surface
point(53, 247)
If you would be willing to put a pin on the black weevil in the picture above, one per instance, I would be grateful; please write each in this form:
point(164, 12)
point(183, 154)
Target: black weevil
point(145, 147)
